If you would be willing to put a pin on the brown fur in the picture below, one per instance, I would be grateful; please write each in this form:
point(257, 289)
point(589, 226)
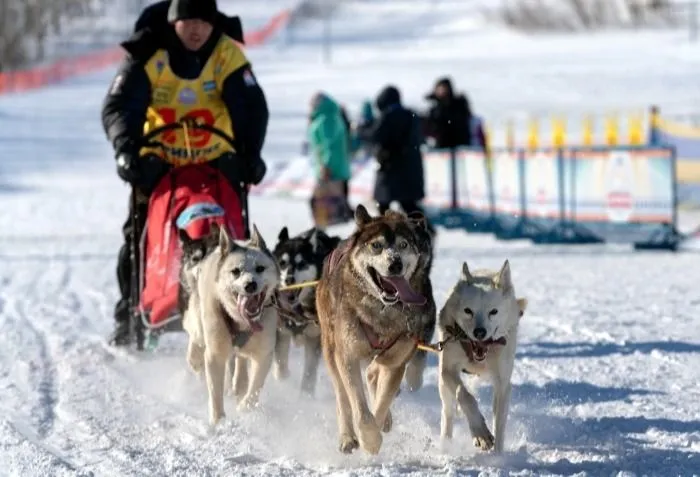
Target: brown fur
point(344, 305)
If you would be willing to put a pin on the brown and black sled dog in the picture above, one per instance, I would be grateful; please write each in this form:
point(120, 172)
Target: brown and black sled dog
point(374, 300)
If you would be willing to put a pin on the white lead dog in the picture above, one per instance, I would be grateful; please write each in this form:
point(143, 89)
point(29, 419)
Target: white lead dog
point(479, 323)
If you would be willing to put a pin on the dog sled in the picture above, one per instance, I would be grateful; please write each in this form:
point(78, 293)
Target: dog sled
point(193, 198)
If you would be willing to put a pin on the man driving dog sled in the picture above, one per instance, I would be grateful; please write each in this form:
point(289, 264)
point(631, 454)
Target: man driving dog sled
point(184, 66)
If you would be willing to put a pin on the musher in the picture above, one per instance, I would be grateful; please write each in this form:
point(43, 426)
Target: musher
point(192, 69)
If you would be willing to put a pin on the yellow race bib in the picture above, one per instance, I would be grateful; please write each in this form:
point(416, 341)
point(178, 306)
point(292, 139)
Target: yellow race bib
point(195, 101)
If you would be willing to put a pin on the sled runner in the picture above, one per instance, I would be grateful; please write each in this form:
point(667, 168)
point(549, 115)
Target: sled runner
point(191, 198)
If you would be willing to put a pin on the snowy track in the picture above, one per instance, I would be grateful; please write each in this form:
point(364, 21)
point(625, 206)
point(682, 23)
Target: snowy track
point(606, 379)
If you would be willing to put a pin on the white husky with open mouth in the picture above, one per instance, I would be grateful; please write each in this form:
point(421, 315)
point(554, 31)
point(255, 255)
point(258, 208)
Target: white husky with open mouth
point(479, 325)
point(231, 321)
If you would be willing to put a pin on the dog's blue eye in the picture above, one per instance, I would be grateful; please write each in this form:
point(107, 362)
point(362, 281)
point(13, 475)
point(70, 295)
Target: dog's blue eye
point(403, 245)
point(259, 269)
point(236, 272)
point(468, 311)
point(493, 312)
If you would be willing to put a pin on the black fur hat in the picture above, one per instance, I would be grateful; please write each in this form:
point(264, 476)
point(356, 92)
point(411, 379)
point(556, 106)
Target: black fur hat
point(192, 9)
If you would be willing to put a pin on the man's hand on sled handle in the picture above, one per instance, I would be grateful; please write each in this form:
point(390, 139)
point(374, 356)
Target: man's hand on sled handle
point(255, 170)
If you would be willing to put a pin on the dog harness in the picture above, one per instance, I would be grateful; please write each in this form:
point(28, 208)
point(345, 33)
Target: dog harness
point(294, 319)
point(383, 346)
point(332, 262)
point(238, 338)
point(458, 334)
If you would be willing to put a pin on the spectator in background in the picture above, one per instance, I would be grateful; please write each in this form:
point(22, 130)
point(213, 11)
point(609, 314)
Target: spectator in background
point(450, 122)
point(328, 143)
point(397, 140)
point(363, 128)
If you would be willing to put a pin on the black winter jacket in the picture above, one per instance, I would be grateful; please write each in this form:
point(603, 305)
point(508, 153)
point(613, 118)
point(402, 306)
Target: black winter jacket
point(124, 108)
point(448, 122)
point(397, 138)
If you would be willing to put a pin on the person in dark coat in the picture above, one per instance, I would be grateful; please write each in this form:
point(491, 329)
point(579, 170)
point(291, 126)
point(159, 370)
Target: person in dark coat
point(397, 140)
point(449, 119)
point(167, 72)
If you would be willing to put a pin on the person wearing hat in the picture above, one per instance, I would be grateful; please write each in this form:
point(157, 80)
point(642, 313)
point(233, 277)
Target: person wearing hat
point(448, 120)
point(182, 62)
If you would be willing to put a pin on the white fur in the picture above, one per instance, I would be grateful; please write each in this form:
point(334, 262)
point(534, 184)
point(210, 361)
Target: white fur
point(210, 347)
point(484, 299)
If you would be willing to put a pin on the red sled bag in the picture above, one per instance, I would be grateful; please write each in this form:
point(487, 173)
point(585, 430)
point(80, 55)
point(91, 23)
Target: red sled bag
point(190, 198)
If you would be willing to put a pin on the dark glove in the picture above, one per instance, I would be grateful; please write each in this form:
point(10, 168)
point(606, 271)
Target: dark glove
point(240, 169)
point(152, 170)
point(144, 172)
point(127, 165)
point(254, 170)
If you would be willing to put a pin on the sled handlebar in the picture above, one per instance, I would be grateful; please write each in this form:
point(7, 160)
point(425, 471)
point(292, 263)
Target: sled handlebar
point(147, 139)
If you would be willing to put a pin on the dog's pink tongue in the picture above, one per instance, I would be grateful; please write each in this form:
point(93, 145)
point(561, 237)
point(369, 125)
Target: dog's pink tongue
point(247, 305)
point(405, 291)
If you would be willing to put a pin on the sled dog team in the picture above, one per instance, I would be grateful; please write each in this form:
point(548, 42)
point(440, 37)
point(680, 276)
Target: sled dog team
point(373, 304)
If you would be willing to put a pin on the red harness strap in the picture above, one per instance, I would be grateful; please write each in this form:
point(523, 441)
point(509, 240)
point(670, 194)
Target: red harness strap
point(468, 346)
point(375, 342)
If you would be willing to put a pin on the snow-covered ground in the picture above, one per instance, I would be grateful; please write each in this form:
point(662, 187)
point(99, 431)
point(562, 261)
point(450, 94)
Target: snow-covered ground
point(609, 360)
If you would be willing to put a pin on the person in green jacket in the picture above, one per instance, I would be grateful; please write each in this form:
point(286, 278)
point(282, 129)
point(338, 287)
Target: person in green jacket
point(328, 143)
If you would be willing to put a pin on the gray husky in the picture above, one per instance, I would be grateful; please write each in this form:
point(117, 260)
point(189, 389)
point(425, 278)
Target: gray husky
point(374, 300)
point(229, 317)
point(480, 323)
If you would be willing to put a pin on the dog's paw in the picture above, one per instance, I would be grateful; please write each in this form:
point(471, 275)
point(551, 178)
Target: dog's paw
point(247, 405)
point(414, 376)
point(195, 359)
point(215, 419)
point(281, 373)
point(483, 439)
point(348, 443)
point(388, 422)
point(370, 437)
point(196, 366)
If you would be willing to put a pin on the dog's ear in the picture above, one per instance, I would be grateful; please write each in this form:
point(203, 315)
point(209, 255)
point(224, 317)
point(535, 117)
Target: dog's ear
point(214, 233)
point(419, 219)
point(184, 238)
point(503, 280)
point(224, 241)
point(256, 239)
point(466, 274)
point(284, 235)
point(522, 305)
point(362, 217)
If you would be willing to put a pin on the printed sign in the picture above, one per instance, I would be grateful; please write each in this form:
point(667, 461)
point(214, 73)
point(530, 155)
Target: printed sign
point(438, 178)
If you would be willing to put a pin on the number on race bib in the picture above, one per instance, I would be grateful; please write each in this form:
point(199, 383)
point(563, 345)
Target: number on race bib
point(198, 137)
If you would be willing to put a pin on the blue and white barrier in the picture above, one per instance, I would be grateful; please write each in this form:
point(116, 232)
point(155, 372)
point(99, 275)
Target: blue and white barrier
point(571, 195)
